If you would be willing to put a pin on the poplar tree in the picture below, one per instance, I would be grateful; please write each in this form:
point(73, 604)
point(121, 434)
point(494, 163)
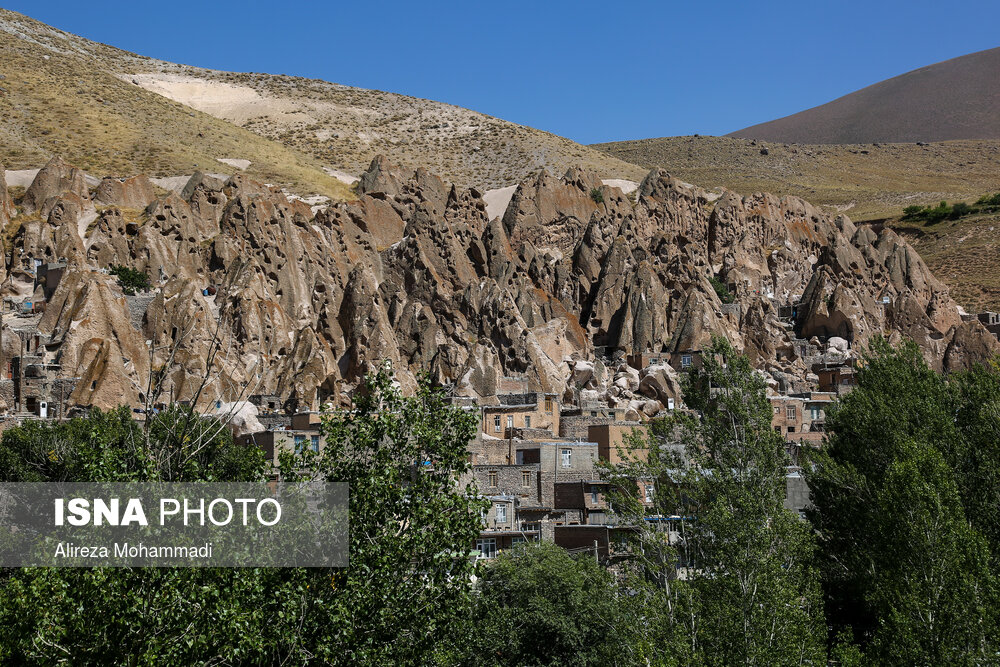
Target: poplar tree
point(906, 567)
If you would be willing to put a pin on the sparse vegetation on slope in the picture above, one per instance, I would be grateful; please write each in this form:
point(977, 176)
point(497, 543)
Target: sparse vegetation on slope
point(960, 251)
point(67, 103)
point(275, 121)
point(867, 181)
point(935, 214)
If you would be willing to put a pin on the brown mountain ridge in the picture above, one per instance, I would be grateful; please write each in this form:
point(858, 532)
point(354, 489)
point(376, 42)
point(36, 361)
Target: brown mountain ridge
point(957, 99)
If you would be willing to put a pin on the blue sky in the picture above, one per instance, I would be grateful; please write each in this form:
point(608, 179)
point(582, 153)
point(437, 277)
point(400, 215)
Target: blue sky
point(586, 70)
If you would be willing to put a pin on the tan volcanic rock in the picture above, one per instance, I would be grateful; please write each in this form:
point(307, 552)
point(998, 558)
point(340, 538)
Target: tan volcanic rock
point(134, 192)
point(201, 180)
point(377, 217)
point(550, 212)
point(6, 205)
point(52, 180)
point(414, 273)
point(661, 383)
point(88, 319)
point(56, 235)
point(968, 345)
point(382, 177)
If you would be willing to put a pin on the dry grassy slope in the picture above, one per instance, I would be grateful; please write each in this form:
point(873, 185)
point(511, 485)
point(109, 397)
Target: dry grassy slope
point(340, 127)
point(60, 101)
point(865, 180)
point(346, 127)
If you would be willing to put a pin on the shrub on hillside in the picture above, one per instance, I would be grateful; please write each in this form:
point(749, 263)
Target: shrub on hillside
point(130, 280)
point(725, 296)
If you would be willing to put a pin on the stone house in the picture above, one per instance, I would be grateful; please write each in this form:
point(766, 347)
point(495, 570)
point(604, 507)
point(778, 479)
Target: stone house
point(991, 321)
point(501, 528)
point(613, 441)
point(575, 422)
point(686, 360)
point(587, 498)
point(277, 441)
point(836, 379)
point(530, 410)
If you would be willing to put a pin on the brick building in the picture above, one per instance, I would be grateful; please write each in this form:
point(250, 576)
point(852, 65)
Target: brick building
point(614, 441)
point(277, 441)
point(530, 410)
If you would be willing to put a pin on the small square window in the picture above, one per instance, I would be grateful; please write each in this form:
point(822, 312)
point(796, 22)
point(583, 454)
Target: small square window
point(501, 513)
point(496, 423)
point(527, 421)
point(567, 458)
point(493, 479)
point(525, 478)
point(686, 361)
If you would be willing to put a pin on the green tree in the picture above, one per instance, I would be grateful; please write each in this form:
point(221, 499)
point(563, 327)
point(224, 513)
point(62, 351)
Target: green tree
point(538, 605)
point(130, 280)
point(404, 596)
point(725, 296)
point(975, 452)
point(904, 569)
point(751, 593)
point(407, 593)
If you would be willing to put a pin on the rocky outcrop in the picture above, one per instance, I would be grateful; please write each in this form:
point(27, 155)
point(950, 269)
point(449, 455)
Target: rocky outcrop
point(969, 343)
point(382, 178)
point(135, 192)
point(88, 320)
point(254, 293)
point(6, 205)
point(53, 180)
point(57, 235)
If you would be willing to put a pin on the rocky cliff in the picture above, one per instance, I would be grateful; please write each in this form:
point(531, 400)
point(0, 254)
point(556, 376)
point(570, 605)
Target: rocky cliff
point(254, 293)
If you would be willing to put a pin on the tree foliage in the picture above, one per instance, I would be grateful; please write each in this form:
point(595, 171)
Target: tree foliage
point(751, 593)
point(538, 605)
point(401, 601)
point(725, 296)
point(900, 553)
point(130, 280)
point(905, 557)
point(944, 211)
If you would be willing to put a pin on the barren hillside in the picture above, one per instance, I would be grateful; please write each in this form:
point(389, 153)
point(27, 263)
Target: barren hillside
point(89, 94)
point(864, 180)
point(950, 100)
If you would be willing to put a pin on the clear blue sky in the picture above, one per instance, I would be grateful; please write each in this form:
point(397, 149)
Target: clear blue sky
point(589, 71)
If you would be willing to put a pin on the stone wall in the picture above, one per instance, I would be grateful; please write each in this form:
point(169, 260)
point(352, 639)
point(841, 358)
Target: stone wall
point(137, 306)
